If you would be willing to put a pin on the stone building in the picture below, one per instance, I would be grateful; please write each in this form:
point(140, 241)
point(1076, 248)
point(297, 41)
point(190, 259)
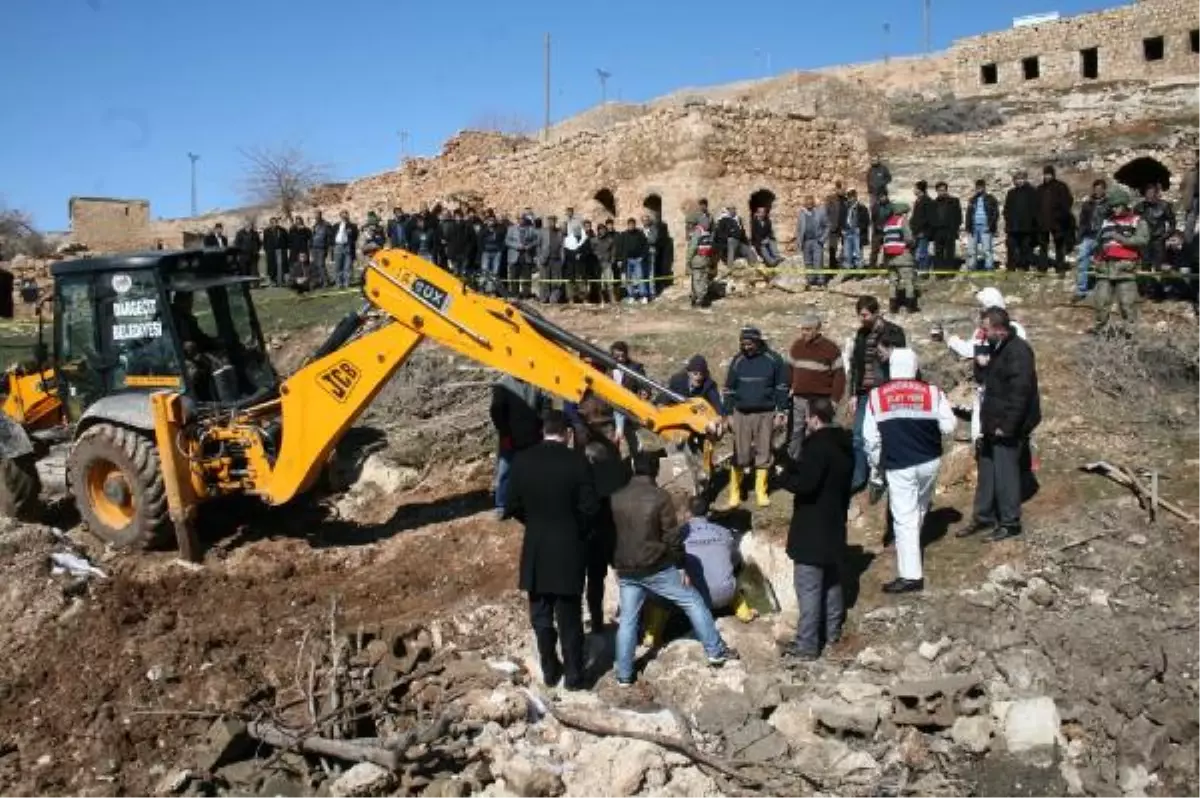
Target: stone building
point(108, 222)
point(1143, 40)
point(662, 161)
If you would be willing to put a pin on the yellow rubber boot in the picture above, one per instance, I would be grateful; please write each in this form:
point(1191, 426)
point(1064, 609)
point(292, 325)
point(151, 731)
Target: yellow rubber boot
point(760, 488)
point(742, 609)
point(735, 489)
point(654, 619)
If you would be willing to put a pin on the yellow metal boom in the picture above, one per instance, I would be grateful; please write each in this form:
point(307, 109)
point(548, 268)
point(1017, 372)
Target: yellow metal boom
point(320, 402)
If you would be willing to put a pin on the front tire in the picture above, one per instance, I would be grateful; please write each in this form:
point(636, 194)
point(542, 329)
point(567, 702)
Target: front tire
point(116, 479)
point(19, 488)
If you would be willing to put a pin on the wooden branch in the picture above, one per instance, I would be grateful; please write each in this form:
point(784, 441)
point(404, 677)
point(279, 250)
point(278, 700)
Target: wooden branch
point(1126, 479)
point(601, 729)
point(277, 737)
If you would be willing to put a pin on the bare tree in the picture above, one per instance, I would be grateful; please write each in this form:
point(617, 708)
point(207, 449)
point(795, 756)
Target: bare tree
point(508, 123)
point(282, 177)
point(18, 236)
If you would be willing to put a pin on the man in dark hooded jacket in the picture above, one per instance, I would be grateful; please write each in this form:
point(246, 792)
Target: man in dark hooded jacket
point(816, 544)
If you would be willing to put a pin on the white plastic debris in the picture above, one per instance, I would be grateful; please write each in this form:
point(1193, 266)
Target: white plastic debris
point(66, 562)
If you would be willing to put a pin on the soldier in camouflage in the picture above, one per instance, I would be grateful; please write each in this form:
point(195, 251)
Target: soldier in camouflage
point(702, 262)
point(1124, 236)
point(897, 248)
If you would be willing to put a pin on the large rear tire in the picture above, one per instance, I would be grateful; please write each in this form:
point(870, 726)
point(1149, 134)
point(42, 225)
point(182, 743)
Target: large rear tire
point(19, 488)
point(116, 479)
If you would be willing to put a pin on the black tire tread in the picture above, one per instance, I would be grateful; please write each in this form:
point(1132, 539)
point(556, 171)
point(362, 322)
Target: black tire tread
point(141, 464)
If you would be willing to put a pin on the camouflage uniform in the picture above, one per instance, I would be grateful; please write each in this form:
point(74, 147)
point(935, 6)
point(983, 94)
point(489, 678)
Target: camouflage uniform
point(702, 263)
point(901, 266)
point(1121, 234)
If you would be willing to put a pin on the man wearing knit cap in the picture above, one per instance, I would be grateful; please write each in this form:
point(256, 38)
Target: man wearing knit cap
point(903, 429)
point(1124, 236)
point(756, 395)
point(817, 372)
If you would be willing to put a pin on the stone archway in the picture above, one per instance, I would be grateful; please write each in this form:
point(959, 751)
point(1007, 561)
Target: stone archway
point(605, 199)
point(1142, 172)
point(763, 198)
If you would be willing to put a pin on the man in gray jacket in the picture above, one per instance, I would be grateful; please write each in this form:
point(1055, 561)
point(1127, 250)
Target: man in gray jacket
point(521, 240)
point(550, 261)
point(812, 232)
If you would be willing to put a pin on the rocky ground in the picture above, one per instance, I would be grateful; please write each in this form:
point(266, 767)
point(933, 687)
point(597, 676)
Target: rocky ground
point(383, 620)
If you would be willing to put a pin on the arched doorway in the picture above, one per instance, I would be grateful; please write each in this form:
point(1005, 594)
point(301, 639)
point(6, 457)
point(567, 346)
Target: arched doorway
point(1142, 172)
point(763, 198)
point(605, 199)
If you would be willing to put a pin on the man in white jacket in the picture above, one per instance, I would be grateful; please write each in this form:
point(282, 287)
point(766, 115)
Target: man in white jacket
point(905, 422)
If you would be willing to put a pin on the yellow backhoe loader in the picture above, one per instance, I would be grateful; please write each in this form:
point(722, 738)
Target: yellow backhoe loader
point(160, 390)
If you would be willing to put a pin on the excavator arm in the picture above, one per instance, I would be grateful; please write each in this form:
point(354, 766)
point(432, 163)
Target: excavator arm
point(321, 401)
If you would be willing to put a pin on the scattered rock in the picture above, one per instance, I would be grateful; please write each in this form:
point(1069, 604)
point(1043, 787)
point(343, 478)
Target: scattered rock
point(175, 782)
point(245, 775)
point(722, 710)
point(1098, 597)
point(795, 721)
point(763, 691)
point(225, 741)
point(932, 651)
point(1005, 575)
point(1133, 780)
point(843, 716)
point(365, 778)
point(1031, 727)
point(935, 702)
point(1137, 539)
point(986, 597)
point(878, 659)
point(504, 705)
point(856, 692)
point(973, 733)
point(1039, 592)
point(1070, 775)
point(281, 787)
point(756, 741)
point(834, 761)
point(1143, 743)
point(527, 780)
point(446, 788)
point(611, 766)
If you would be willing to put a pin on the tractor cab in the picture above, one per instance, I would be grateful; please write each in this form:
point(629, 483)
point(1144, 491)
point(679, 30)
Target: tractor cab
point(141, 322)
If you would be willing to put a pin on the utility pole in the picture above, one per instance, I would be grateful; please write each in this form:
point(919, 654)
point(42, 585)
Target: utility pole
point(925, 16)
point(546, 70)
point(766, 56)
point(887, 29)
point(193, 157)
point(604, 76)
point(403, 135)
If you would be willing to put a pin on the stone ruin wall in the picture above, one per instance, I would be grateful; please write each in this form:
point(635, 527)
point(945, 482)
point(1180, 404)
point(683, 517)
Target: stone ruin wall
point(677, 154)
point(108, 222)
point(1117, 34)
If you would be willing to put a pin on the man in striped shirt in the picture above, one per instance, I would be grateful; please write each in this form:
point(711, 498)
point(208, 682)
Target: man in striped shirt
point(817, 371)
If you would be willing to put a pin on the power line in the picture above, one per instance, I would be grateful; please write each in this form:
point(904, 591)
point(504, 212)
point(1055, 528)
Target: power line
point(925, 15)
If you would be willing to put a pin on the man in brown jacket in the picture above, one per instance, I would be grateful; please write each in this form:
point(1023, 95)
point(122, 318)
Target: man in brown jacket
point(649, 558)
point(817, 373)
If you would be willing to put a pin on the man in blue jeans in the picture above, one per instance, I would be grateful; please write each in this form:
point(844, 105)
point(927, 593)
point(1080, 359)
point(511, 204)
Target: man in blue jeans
point(983, 213)
point(633, 249)
point(649, 558)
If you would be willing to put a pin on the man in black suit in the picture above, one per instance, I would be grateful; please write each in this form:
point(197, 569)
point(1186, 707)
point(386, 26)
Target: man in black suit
point(217, 238)
point(551, 490)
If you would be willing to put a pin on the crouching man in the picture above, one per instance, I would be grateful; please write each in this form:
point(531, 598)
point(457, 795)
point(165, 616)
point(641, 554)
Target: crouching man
point(903, 429)
point(650, 558)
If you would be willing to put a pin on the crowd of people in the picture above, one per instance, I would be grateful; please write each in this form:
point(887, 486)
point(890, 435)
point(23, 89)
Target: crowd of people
point(824, 422)
point(576, 259)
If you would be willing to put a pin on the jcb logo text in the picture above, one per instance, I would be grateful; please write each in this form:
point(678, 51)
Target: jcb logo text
point(339, 379)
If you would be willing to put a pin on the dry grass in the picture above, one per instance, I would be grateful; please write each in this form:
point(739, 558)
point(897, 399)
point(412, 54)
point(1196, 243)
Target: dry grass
point(1146, 381)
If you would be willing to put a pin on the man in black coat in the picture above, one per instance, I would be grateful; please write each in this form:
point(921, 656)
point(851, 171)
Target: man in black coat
point(248, 243)
point(1054, 202)
point(920, 221)
point(275, 241)
point(945, 219)
point(299, 243)
point(217, 238)
point(611, 473)
point(1010, 410)
point(516, 413)
point(816, 542)
point(551, 490)
point(1020, 221)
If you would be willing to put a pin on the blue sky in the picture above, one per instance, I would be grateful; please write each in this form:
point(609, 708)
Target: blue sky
point(107, 97)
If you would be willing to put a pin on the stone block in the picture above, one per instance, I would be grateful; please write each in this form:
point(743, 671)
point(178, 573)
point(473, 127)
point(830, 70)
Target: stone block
point(935, 702)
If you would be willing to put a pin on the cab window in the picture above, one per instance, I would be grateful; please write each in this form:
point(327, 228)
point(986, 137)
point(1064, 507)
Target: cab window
point(135, 333)
point(79, 364)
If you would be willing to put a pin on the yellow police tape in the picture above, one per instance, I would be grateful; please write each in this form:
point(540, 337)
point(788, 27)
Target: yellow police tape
point(768, 273)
